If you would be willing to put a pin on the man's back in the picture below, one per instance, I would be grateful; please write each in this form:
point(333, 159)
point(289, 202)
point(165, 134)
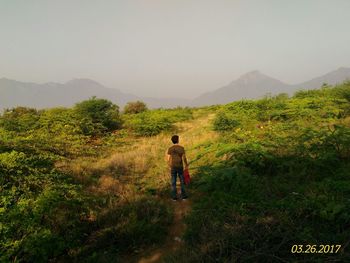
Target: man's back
point(176, 152)
point(176, 157)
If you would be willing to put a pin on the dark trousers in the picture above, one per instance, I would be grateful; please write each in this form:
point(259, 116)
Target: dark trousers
point(174, 173)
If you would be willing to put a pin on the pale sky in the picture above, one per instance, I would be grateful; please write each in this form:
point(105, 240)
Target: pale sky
point(165, 48)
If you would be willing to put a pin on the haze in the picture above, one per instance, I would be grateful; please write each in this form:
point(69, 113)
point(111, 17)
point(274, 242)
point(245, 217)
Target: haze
point(178, 48)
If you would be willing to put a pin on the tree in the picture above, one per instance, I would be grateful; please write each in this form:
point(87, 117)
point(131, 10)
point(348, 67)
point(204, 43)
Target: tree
point(19, 119)
point(135, 107)
point(97, 115)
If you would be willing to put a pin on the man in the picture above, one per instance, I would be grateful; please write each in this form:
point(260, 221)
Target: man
point(176, 157)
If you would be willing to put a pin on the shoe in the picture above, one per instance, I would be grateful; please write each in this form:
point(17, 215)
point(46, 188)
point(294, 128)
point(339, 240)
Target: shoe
point(174, 199)
point(184, 198)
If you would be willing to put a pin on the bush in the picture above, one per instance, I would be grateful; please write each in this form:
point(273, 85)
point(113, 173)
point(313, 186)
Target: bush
point(150, 123)
point(135, 107)
point(41, 209)
point(97, 116)
point(19, 119)
point(225, 121)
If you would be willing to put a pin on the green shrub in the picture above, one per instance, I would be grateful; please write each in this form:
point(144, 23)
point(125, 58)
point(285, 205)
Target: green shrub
point(225, 121)
point(41, 209)
point(135, 107)
point(97, 116)
point(153, 122)
point(19, 119)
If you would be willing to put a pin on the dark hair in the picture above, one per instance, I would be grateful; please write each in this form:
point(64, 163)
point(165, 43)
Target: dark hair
point(175, 139)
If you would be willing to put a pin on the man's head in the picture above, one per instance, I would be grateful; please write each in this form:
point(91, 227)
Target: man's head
point(175, 139)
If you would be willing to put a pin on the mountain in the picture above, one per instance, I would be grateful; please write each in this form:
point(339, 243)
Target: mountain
point(15, 93)
point(332, 78)
point(250, 85)
point(254, 85)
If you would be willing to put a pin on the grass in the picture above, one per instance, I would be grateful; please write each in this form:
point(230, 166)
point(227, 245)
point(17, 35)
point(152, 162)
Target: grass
point(264, 185)
point(267, 174)
point(131, 181)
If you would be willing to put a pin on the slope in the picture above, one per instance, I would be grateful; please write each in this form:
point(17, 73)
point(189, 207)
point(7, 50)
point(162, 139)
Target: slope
point(250, 85)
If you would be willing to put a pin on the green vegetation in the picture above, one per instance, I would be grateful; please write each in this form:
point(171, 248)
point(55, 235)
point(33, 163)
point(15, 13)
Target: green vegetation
point(278, 175)
point(50, 208)
point(135, 107)
point(151, 123)
point(97, 116)
point(87, 184)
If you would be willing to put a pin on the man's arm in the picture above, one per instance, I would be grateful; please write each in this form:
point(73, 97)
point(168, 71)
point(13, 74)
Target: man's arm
point(185, 160)
point(167, 157)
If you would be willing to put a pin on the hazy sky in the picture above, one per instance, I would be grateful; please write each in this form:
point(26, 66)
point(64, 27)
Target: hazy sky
point(171, 47)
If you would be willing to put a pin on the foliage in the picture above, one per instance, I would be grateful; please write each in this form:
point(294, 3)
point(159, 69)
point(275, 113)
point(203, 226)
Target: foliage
point(276, 175)
point(97, 116)
point(301, 108)
point(153, 122)
point(49, 214)
point(279, 177)
point(135, 107)
point(126, 227)
point(20, 119)
point(38, 206)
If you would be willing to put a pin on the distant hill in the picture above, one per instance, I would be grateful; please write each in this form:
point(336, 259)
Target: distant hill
point(15, 93)
point(254, 85)
point(332, 78)
point(249, 86)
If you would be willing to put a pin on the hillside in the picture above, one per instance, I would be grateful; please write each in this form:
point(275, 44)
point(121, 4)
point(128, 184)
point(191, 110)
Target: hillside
point(332, 78)
point(270, 182)
point(254, 85)
point(250, 85)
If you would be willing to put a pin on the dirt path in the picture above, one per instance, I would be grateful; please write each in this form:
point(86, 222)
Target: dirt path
point(174, 239)
point(137, 166)
point(192, 133)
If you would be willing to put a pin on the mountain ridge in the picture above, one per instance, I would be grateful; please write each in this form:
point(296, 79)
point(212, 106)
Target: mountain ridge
point(332, 78)
point(250, 85)
point(261, 84)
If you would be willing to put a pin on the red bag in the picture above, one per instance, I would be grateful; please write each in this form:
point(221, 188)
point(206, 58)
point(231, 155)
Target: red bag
point(187, 177)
